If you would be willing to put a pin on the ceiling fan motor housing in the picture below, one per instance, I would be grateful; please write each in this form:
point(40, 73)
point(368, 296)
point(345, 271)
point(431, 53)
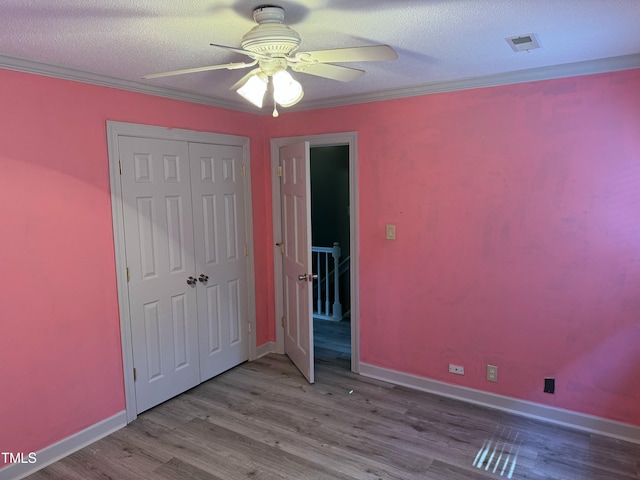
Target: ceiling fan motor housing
point(271, 36)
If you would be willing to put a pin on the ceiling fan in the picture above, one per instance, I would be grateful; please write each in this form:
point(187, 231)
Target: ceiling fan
point(272, 46)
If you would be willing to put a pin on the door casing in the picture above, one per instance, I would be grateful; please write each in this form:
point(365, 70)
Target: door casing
point(326, 140)
point(115, 130)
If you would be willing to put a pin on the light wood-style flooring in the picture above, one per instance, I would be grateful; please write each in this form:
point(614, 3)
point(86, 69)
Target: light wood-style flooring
point(332, 341)
point(262, 420)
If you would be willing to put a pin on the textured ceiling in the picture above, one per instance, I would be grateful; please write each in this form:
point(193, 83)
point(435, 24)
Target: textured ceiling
point(436, 40)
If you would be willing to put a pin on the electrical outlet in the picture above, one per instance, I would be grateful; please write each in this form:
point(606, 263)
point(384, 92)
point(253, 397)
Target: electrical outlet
point(456, 369)
point(549, 385)
point(492, 373)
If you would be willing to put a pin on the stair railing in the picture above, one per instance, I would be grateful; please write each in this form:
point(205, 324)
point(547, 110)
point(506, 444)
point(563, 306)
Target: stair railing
point(324, 268)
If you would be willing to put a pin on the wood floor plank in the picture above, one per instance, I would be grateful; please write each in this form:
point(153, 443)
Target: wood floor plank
point(273, 458)
point(292, 440)
point(446, 471)
point(262, 420)
point(361, 452)
point(176, 469)
point(324, 418)
point(85, 465)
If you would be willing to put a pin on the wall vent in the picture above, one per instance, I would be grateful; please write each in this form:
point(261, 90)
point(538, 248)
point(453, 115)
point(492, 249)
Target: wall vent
point(521, 43)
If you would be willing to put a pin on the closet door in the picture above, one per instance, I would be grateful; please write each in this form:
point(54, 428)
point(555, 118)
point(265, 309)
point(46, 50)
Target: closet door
point(217, 184)
point(156, 195)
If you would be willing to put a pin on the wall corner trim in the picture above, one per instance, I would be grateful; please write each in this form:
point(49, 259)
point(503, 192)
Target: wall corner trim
point(558, 416)
point(265, 349)
point(65, 447)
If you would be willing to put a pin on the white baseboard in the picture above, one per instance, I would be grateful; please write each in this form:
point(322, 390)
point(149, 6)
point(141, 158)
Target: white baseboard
point(65, 447)
point(264, 349)
point(559, 416)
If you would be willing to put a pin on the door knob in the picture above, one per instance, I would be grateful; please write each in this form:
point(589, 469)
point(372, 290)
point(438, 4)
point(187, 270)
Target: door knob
point(191, 281)
point(203, 278)
point(307, 276)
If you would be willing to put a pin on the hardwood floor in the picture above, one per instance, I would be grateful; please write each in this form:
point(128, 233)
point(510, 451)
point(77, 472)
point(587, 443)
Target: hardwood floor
point(261, 420)
point(332, 342)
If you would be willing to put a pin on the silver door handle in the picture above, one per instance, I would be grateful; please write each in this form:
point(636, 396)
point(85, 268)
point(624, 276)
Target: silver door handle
point(307, 276)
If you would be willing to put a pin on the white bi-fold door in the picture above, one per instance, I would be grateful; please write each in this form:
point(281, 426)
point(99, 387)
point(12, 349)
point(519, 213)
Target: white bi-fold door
point(185, 242)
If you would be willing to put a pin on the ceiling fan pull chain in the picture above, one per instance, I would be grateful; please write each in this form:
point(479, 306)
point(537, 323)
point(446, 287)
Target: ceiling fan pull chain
point(275, 105)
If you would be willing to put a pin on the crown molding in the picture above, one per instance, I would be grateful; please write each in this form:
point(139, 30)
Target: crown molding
point(603, 65)
point(65, 73)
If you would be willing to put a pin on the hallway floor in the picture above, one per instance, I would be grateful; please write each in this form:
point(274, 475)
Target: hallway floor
point(332, 342)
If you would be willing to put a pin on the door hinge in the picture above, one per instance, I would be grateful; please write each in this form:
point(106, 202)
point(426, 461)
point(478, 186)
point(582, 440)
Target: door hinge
point(128, 275)
point(284, 321)
point(249, 323)
point(280, 246)
point(246, 251)
point(135, 374)
point(120, 163)
point(244, 171)
point(279, 170)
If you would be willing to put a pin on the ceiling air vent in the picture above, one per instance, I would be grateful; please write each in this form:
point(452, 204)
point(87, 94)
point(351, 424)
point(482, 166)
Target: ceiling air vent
point(523, 42)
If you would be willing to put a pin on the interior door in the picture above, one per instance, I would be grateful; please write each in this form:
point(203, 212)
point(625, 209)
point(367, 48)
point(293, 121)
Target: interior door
point(157, 213)
point(296, 213)
point(217, 184)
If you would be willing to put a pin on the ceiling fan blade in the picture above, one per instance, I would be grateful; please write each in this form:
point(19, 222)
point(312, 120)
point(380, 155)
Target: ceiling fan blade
point(370, 53)
point(244, 79)
point(258, 56)
point(228, 66)
point(334, 72)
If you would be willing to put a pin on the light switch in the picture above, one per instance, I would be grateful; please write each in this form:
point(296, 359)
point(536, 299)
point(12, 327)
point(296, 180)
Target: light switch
point(391, 232)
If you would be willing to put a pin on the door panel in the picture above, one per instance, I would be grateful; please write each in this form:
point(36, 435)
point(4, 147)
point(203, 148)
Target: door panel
point(218, 196)
point(296, 205)
point(159, 247)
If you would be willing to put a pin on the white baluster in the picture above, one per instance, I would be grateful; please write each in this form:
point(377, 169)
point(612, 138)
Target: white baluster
point(337, 306)
point(323, 273)
point(326, 284)
point(318, 284)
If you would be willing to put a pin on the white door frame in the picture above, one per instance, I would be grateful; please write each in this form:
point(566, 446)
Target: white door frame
point(328, 140)
point(115, 130)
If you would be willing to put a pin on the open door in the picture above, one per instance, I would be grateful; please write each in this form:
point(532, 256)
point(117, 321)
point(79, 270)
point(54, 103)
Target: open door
point(295, 191)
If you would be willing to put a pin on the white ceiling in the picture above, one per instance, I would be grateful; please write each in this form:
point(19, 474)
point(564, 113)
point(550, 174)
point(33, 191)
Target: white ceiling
point(441, 44)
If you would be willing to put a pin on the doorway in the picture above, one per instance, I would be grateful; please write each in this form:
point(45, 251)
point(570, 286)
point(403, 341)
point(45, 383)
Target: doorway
point(349, 141)
point(329, 172)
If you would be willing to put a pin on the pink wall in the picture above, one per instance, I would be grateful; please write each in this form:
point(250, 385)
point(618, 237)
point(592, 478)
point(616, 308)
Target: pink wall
point(518, 241)
point(60, 355)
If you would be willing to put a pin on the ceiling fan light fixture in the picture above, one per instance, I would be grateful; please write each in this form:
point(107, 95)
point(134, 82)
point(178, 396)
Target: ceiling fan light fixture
point(273, 45)
point(254, 90)
point(287, 91)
